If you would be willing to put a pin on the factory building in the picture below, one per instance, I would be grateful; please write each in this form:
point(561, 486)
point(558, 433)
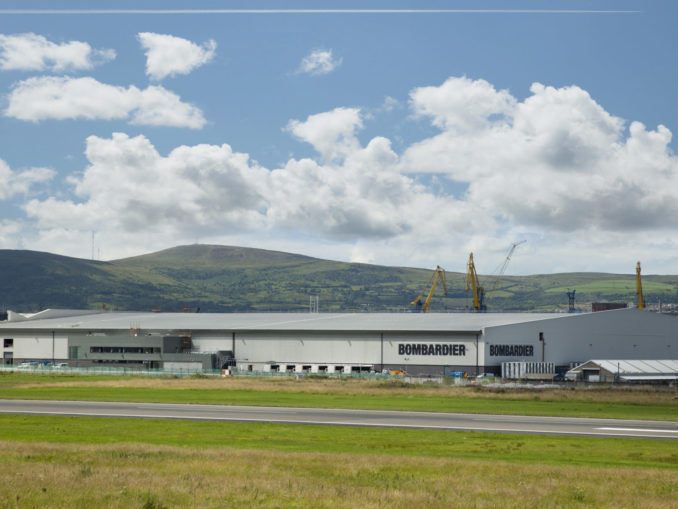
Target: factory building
point(417, 343)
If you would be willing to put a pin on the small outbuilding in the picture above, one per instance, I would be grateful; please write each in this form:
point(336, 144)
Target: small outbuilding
point(638, 371)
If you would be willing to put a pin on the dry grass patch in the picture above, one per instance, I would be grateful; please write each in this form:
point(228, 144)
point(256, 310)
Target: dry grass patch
point(359, 387)
point(122, 475)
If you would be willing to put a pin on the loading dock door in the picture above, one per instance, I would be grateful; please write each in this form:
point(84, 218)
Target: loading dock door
point(591, 375)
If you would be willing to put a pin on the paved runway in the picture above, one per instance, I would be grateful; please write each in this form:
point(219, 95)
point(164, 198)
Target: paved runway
point(362, 418)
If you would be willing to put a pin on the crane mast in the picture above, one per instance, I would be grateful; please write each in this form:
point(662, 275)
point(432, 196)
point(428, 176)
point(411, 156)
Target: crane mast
point(438, 275)
point(639, 288)
point(503, 269)
point(473, 283)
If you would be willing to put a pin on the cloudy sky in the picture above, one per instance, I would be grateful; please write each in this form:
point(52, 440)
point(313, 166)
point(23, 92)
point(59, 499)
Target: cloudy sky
point(397, 137)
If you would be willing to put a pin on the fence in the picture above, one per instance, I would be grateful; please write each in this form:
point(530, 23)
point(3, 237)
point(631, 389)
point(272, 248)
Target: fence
point(40, 369)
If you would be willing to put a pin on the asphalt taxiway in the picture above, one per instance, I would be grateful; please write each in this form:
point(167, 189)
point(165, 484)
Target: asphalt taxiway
point(613, 428)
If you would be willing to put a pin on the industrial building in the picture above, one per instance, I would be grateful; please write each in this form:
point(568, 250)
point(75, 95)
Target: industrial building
point(417, 343)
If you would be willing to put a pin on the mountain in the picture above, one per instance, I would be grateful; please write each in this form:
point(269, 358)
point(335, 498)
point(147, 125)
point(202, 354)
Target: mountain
point(229, 279)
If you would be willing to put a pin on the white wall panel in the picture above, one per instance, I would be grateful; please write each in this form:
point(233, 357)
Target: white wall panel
point(40, 347)
point(308, 348)
point(618, 334)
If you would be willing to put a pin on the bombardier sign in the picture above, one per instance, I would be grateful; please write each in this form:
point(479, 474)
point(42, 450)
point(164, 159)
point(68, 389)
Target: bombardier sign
point(511, 351)
point(431, 349)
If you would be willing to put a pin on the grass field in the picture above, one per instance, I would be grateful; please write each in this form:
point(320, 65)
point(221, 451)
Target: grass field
point(100, 462)
point(81, 462)
point(622, 403)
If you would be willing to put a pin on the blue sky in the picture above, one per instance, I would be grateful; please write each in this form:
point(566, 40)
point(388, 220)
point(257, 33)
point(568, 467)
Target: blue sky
point(396, 138)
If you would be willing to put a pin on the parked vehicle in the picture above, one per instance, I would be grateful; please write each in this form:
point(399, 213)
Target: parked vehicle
point(485, 376)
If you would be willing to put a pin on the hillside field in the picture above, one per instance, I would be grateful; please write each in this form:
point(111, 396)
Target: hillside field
point(234, 279)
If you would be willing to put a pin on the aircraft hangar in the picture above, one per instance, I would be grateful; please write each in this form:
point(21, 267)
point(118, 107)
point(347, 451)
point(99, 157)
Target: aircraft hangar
point(416, 343)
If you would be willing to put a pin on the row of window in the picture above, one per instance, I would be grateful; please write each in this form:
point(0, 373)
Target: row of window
point(291, 368)
point(116, 362)
point(9, 343)
point(124, 349)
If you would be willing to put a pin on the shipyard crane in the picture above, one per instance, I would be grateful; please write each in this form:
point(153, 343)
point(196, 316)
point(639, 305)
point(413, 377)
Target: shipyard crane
point(570, 298)
point(639, 288)
point(503, 269)
point(438, 275)
point(472, 283)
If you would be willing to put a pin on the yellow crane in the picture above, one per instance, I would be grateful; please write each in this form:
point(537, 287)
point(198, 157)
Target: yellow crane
point(639, 288)
point(438, 275)
point(473, 283)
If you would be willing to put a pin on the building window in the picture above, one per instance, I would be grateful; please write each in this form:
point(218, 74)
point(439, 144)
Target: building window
point(125, 349)
point(8, 343)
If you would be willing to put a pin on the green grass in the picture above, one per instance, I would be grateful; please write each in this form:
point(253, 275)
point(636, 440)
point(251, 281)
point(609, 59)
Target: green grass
point(84, 462)
point(585, 451)
point(348, 394)
point(67, 462)
point(391, 402)
point(148, 476)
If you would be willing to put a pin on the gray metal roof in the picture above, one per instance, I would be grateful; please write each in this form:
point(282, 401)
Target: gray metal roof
point(649, 378)
point(443, 322)
point(636, 367)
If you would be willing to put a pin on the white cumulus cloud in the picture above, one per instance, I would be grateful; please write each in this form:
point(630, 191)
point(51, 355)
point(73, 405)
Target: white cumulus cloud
point(319, 61)
point(9, 231)
point(130, 191)
point(168, 55)
point(461, 104)
point(331, 133)
point(354, 191)
point(555, 168)
point(555, 161)
point(51, 97)
point(129, 187)
point(33, 52)
point(13, 182)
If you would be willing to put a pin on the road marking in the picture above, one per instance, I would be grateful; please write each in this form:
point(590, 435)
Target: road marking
point(641, 430)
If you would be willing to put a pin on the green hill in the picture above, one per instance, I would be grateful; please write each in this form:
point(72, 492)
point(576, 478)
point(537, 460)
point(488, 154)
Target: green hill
point(221, 278)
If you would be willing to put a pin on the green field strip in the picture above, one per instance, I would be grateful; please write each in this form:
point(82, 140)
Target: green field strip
point(585, 451)
point(415, 402)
